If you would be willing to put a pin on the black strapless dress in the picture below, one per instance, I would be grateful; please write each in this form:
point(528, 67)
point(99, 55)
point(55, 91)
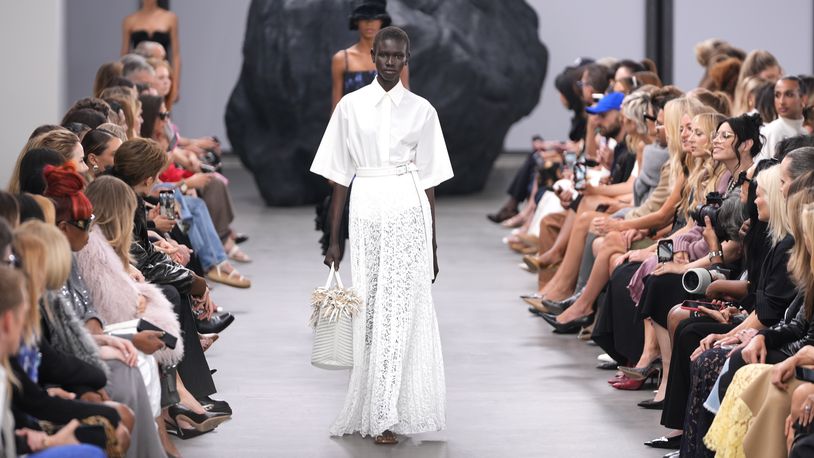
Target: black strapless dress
point(137, 36)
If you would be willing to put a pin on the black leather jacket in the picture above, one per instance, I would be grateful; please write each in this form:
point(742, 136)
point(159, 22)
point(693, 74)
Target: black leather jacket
point(793, 332)
point(156, 266)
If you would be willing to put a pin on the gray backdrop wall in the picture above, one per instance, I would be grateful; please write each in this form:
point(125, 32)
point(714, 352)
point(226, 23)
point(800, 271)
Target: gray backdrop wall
point(55, 65)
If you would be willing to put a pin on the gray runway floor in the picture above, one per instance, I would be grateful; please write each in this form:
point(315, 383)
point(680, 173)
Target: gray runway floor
point(514, 389)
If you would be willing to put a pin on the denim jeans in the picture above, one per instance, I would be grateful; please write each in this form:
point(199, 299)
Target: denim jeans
point(201, 232)
point(70, 451)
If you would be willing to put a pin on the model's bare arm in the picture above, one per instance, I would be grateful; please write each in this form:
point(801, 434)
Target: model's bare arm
point(431, 197)
point(334, 253)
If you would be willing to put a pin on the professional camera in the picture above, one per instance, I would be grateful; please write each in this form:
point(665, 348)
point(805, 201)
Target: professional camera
point(710, 209)
point(696, 281)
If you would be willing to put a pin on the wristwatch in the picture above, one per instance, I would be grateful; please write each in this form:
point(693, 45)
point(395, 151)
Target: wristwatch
point(715, 254)
point(184, 188)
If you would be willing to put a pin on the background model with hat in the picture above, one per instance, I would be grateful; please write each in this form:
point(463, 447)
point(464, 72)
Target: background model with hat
point(353, 68)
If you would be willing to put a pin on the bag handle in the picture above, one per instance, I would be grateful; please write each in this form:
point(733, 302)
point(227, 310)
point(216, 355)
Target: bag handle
point(333, 274)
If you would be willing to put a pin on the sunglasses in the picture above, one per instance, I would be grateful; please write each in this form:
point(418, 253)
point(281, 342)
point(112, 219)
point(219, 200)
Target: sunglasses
point(12, 261)
point(83, 224)
point(648, 117)
point(163, 115)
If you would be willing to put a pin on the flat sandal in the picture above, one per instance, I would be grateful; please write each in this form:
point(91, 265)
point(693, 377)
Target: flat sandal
point(386, 438)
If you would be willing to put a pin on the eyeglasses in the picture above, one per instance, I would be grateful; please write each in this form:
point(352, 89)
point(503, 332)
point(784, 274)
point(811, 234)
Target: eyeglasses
point(83, 224)
point(12, 261)
point(723, 136)
point(163, 115)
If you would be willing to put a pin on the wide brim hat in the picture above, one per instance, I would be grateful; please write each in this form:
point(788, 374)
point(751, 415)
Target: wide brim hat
point(369, 9)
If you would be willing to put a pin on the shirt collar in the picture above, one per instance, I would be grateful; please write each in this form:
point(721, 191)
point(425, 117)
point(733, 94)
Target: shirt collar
point(395, 94)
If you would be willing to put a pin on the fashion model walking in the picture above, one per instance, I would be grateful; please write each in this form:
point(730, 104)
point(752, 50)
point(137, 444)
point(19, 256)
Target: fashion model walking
point(388, 141)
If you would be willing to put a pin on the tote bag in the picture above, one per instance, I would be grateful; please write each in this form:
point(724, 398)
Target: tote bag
point(333, 309)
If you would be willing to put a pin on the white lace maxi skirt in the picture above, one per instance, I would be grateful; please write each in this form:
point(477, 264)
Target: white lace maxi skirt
point(397, 382)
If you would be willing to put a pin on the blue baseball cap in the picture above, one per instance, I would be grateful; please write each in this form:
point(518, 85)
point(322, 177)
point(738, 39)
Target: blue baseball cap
point(612, 101)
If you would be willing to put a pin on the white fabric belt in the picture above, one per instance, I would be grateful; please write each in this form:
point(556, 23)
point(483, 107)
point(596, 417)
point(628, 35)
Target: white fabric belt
point(404, 169)
point(386, 171)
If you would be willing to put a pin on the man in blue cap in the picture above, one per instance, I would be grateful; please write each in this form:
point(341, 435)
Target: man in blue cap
point(609, 120)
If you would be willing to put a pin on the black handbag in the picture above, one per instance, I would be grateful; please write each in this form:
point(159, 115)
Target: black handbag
point(169, 387)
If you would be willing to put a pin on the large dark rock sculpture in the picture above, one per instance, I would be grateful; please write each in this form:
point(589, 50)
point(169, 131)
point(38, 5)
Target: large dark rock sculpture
point(479, 62)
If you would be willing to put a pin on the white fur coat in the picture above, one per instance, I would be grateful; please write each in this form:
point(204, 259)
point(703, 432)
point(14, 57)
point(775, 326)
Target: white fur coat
point(116, 295)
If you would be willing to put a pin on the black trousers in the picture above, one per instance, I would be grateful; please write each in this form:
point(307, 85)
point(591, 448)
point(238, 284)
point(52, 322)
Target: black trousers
point(193, 369)
point(520, 186)
point(618, 329)
point(736, 362)
point(687, 337)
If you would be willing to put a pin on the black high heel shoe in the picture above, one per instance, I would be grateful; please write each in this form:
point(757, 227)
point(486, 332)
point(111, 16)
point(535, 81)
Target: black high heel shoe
point(182, 433)
point(557, 307)
point(202, 422)
point(571, 327)
point(216, 324)
point(215, 406)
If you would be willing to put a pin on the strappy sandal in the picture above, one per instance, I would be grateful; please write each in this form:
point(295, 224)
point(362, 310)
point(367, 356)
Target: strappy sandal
point(236, 254)
point(386, 438)
point(233, 278)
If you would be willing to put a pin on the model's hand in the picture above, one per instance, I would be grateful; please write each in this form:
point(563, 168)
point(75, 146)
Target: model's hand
point(434, 264)
point(333, 256)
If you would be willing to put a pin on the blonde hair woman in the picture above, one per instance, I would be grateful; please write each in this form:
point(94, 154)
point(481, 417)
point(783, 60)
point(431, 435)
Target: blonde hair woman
point(46, 258)
point(707, 173)
point(745, 94)
point(60, 140)
point(759, 395)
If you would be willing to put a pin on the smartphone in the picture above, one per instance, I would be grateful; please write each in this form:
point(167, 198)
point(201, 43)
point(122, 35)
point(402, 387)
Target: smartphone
point(665, 250)
point(166, 204)
point(693, 305)
point(570, 159)
point(169, 340)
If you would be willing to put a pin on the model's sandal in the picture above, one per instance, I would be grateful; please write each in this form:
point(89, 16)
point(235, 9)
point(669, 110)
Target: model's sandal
point(236, 254)
point(233, 278)
point(386, 438)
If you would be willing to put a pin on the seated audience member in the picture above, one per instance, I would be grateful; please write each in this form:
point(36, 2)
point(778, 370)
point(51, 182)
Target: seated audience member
point(138, 163)
point(757, 399)
point(138, 388)
point(790, 97)
point(106, 76)
point(13, 303)
point(150, 50)
point(100, 146)
point(212, 190)
point(136, 69)
point(46, 262)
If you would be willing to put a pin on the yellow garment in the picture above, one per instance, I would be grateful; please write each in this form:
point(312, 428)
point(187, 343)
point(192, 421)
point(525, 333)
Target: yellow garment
point(725, 436)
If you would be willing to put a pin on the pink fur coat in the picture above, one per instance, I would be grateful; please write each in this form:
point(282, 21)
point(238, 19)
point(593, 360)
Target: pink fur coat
point(116, 295)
